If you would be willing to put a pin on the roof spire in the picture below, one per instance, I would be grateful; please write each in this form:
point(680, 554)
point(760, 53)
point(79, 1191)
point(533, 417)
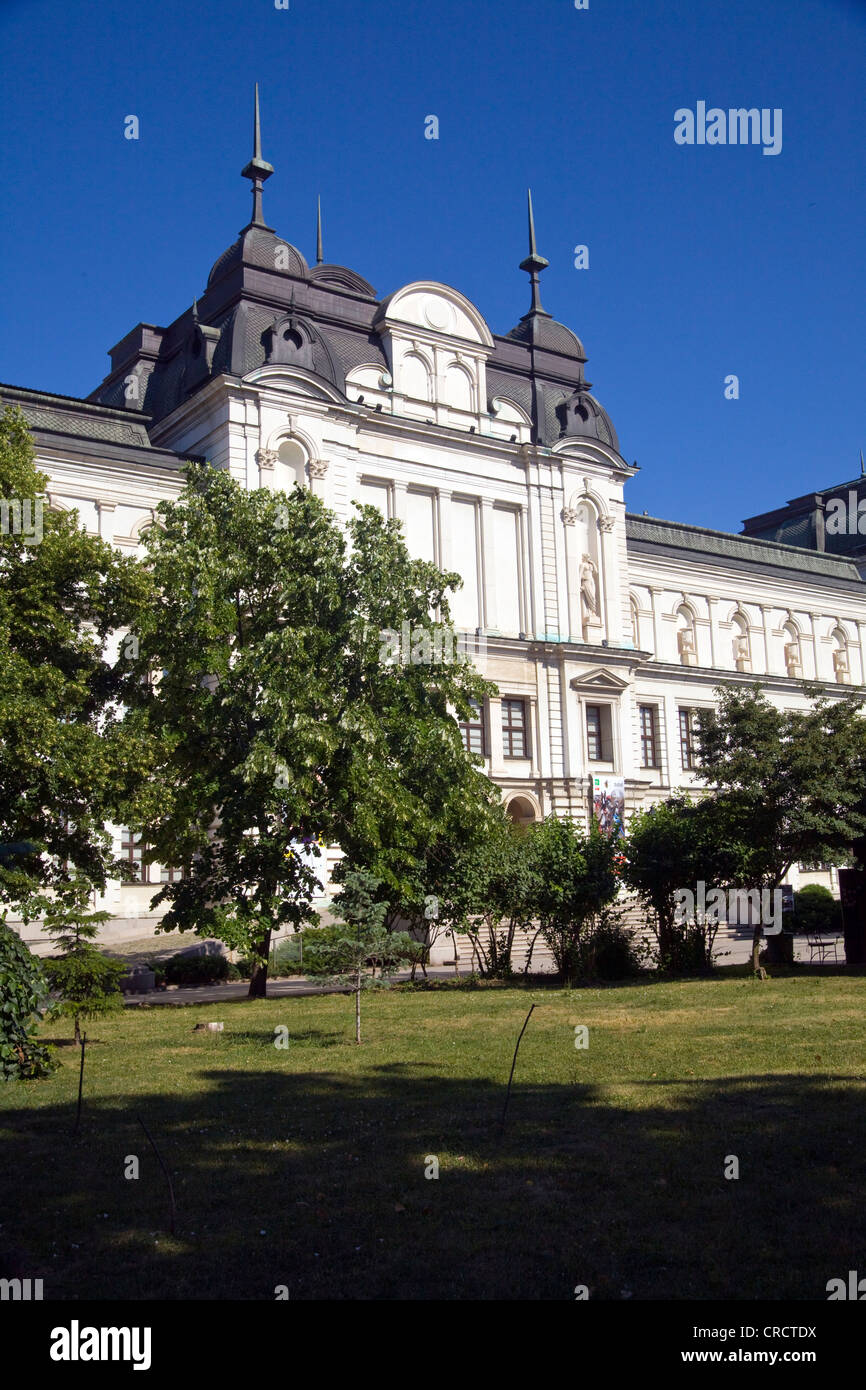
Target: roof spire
point(319, 256)
point(195, 311)
point(534, 263)
point(257, 170)
point(862, 468)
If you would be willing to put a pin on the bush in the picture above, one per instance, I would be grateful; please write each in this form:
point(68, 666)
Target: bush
point(816, 910)
point(610, 952)
point(23, 996)
point(287, 956)
point(88, 983)
point(196, 970)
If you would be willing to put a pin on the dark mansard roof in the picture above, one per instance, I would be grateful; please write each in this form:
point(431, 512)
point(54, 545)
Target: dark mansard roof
point(262, 284)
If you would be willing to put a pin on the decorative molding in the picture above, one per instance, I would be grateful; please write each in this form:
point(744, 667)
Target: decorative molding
point(266, 458)
point(606, 523)
point(318, 468)
point(569, 515)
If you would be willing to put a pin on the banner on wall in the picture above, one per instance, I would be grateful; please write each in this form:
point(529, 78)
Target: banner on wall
point(608, 804)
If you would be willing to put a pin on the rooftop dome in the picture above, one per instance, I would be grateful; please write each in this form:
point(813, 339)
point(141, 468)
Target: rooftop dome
point(542, 331)
point(260, 246)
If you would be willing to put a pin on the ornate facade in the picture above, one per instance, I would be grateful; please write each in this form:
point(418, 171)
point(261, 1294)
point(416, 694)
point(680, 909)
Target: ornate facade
point(604, 631)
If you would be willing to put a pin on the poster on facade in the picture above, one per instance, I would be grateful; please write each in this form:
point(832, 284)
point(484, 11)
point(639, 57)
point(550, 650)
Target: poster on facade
point(608, 804)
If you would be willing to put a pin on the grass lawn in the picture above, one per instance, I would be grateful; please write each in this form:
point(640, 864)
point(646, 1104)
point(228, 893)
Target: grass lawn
point(305, 1166)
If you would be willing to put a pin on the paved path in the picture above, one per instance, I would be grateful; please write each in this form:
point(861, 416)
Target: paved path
point(179, 995)
point(738, 949)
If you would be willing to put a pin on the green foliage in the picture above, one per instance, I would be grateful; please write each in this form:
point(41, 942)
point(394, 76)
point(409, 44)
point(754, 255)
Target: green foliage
point(573, 879)
point(609, 951)
point(276, 719)
point(671, 846)
point(817, 911)
point(67, 761)
point(351, 951)
point(196, 970)
point(88, 982)
point(788, 784)
point(23, 995)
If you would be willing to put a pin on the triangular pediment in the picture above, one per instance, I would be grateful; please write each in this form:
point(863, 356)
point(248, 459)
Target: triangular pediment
point(599, 679)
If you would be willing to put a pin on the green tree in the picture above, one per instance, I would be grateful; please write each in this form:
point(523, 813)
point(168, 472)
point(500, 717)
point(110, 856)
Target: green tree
point(87, 981)
point(574, 879)
point(787, 784)
point(67, 762)
point(23, 997)
point(261, 679)
point(672, 846)
point(359, 944)
point(816, 910)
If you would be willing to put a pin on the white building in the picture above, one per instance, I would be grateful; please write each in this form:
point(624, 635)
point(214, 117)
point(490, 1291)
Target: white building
point(604, 631)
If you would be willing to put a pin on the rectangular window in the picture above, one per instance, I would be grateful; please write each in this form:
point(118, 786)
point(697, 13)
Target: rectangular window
point(599, 743)
point(472, 730)
point(131, 849)
point(514, 740)
point(168, 874)
point(688, 754)
point(648, 740)
point(593, 733)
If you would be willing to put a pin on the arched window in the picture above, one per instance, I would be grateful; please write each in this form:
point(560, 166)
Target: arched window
point(291, 466)
point(415, 377)
point(458, 387)
point(521, 810)
point(635, 622)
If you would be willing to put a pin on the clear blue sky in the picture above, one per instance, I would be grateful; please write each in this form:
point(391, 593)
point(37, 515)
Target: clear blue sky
point(704, 261)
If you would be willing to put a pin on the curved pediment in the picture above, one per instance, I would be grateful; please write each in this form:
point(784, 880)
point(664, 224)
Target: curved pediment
point(436, 309)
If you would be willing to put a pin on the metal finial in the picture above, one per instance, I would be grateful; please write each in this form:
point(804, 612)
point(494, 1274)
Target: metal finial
point(195, 311)
point(862, 468)
point(534, 263)
point(319, 256)
point(258, 169)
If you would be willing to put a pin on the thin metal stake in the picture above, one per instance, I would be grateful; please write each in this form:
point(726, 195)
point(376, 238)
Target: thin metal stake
point(513, 1065)
point(80, 1086)
point(164, 1169)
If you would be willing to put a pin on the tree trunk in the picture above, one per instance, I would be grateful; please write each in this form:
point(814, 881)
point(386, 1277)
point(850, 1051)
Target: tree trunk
point(358, 1007)
point(756, 948)
point(259, 979)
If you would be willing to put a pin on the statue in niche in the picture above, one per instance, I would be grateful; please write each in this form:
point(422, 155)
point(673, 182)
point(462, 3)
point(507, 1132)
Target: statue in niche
point(841, 667)
point(589, 611)
point(741, 652)
point(686, 643)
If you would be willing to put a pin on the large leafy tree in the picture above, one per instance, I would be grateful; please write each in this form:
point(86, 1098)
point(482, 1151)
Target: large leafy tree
point(574, 877)
point(67, 762)
point(672, 846)
point(787, 784)
point(261, 675)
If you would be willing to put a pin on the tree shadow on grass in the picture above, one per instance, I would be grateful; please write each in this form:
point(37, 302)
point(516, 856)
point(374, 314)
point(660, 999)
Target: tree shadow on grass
point(317, 1182)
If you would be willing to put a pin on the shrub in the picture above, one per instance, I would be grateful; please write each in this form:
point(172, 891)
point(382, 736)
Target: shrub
point(23, 995)
point(816, 910)
point(88, 983)
point(610, 952)
point(196, 970)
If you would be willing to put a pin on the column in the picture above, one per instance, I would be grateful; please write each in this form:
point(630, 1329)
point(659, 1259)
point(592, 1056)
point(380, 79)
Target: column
point(654, 601)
